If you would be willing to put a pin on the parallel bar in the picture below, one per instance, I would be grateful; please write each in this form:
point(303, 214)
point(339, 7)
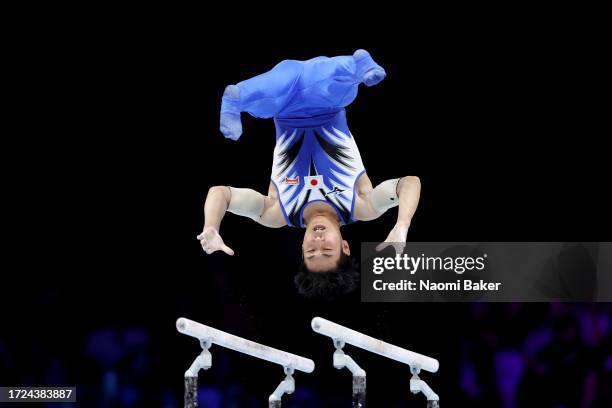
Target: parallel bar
point(200, 331)
point(337, 332)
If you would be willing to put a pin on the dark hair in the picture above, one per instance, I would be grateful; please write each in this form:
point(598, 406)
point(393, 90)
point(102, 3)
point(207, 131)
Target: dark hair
point(330, 284)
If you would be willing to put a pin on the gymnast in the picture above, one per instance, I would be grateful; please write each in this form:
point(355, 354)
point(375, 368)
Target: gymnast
point(318, 179)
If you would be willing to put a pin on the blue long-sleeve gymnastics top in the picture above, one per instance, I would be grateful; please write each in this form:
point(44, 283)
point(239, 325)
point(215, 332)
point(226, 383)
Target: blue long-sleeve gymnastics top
point(315, 157)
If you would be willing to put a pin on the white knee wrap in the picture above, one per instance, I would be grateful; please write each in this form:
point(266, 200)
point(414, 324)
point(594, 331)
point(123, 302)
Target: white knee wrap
point(246, 202)
point(384, 196)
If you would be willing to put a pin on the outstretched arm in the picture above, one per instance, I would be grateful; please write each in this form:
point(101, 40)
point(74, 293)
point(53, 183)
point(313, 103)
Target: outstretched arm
point(240, 201)
point(408, 191)
point(217, 203)
point(373, 202)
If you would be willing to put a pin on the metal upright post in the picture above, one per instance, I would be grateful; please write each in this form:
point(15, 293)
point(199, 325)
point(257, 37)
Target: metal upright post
point(417, 385)
point(202, 362)
point(342, 360)
point(287, 386)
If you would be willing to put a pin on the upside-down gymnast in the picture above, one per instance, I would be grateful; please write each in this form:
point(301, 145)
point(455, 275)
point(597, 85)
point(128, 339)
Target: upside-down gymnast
point(318, 179)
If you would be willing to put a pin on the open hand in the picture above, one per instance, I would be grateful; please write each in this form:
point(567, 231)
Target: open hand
point(396, 239)
point(211, 241)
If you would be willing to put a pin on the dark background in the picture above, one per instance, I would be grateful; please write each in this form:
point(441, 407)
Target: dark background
point(502, 123)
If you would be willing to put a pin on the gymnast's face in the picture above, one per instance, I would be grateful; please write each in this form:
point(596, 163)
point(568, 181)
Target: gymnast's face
point(323, 245)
